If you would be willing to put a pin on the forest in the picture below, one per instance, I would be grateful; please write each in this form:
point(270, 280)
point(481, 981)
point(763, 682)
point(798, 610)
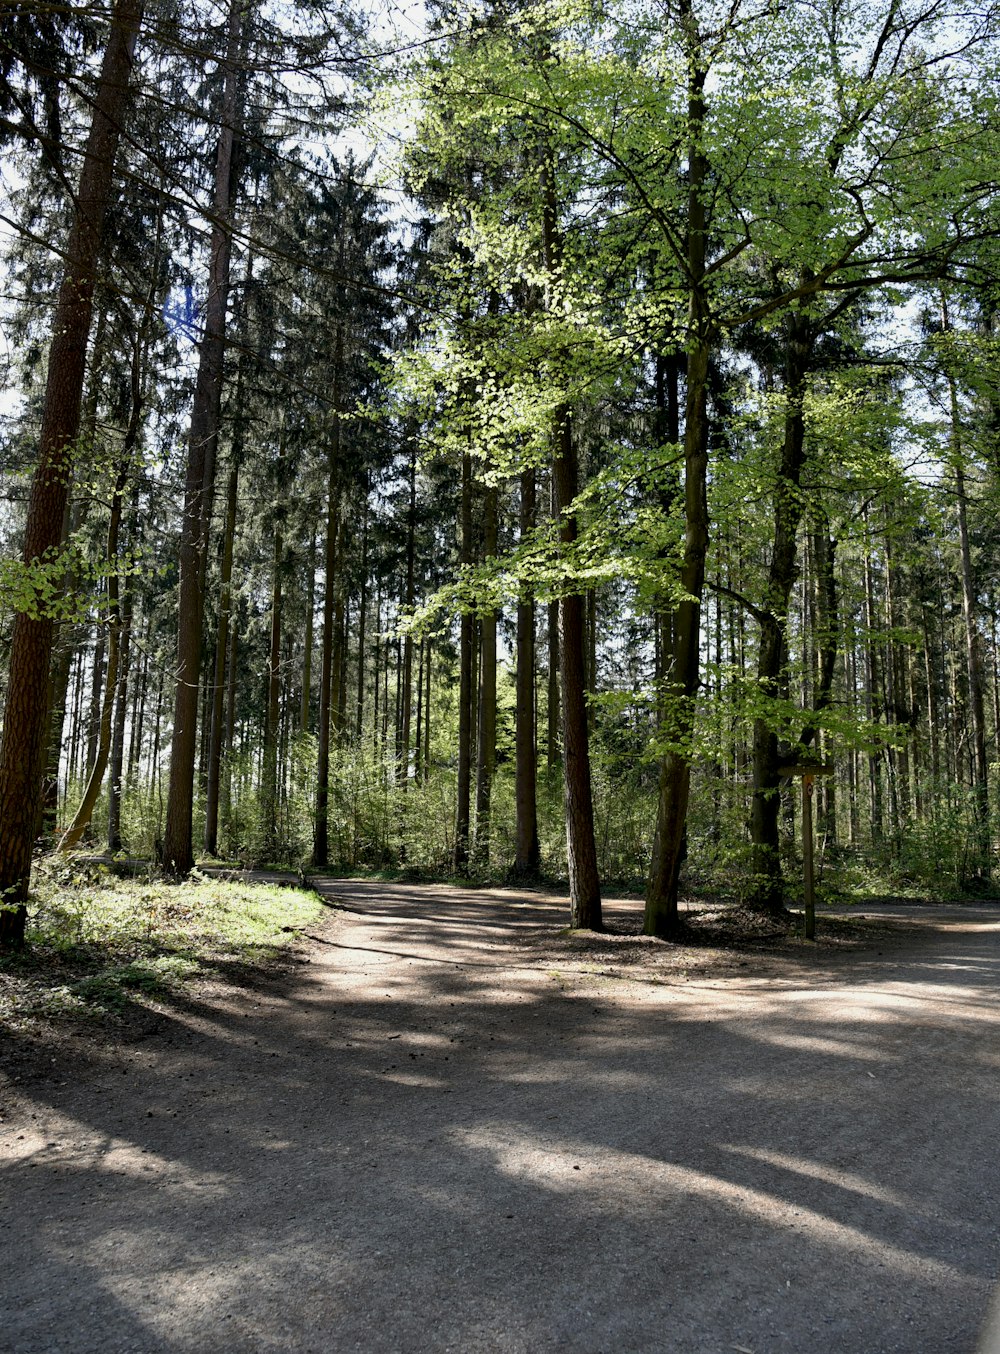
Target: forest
point(500, 440)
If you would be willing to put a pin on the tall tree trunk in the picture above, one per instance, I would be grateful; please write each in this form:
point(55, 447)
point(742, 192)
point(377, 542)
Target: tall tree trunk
point(116, 764)
point(362, 619)
point(465, 686)
point(553, 715)
point(213, 788)
point(271, 730)
point(487, 742)
point(403, 752)
point(321, 838)
point(138, 723)
point(22, 753)
point(178, 854)
point(527, 859)
point(973, 656)
point(427, 714)
point(100, 759)
point(581, 848)
point(766, 892)
point(308, 635)
point(97, 674)
point(418, 747)
point(680, 691)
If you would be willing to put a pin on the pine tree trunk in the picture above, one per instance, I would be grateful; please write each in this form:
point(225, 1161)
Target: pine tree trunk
point(271, 730)
point(102, 751)
point(212, 790)
point(307, 646)
point(321, 839)
point(26, 714)
point(116, 764)
point(178, 853)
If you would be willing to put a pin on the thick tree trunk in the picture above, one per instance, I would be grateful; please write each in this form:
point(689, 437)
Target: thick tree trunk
point(178, 854)
point(681, 688)
point(22, 753)
point(527, 859)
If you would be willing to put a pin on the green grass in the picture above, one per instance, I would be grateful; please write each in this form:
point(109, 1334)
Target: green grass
point(98, 942)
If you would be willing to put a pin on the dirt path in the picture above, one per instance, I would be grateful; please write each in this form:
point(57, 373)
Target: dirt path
point(455, 1130)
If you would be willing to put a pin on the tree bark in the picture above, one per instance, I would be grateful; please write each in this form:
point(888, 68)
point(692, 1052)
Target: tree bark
point(487, 730)
point(321, 838)
point(465, 687)
point(117, 759)
point(973, 656)
point(766, 885)
point(307, 623)
point(271, 730)
point(212, 790)
point(680, 690)
point(527, 859)
point(22, 752)
point(403, 751)
point(581, 848)
point(178, 854)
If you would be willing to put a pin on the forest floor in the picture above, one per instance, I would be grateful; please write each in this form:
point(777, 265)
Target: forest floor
point(445, 1123)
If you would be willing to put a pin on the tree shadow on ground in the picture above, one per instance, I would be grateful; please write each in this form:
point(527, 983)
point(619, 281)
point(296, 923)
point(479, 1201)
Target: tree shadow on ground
point(398, 1148)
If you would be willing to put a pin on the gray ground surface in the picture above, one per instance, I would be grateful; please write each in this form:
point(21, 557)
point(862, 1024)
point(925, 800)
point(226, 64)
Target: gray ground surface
point(452, 1129)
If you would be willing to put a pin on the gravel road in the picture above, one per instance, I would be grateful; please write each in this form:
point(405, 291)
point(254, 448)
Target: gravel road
point(452, 1128)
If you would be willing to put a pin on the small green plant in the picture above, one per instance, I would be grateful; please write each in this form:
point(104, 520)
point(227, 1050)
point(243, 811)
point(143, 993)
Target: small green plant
point(97, 941)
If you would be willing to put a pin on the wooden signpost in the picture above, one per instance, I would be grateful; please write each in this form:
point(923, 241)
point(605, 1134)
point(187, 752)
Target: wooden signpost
point(808, 772)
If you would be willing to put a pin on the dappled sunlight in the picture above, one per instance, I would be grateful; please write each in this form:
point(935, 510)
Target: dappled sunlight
point(829, 1175)
point(815, 1043)
point(70, 1147)
point(564, 1166)
point(434, 1117)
